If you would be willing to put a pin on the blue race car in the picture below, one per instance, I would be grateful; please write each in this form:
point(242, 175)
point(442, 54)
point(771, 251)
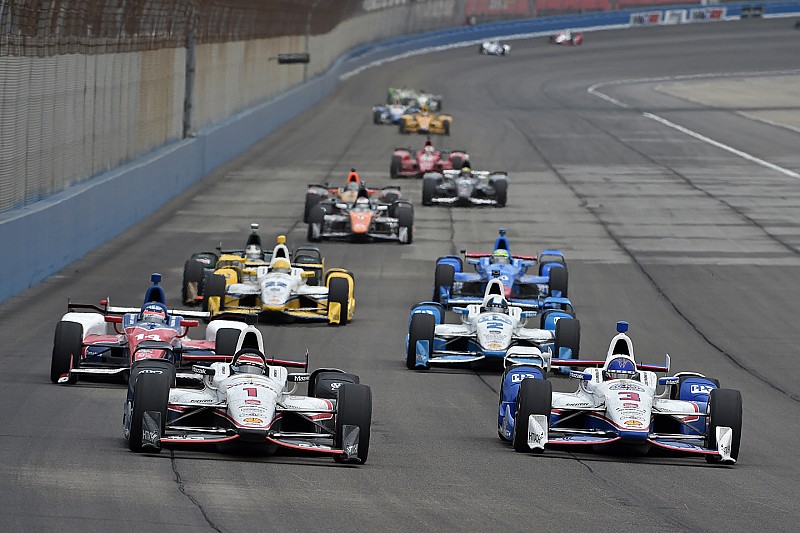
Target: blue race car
point(617, 407)
point(491, 329)
point(452, 286)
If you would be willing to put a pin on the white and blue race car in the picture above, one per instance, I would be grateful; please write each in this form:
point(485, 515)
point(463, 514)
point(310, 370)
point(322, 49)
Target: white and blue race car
point(494, 48)
point(489, 330)
point(618, 407)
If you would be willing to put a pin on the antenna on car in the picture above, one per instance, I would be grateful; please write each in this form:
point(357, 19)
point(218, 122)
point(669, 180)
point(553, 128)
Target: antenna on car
point(305, 369)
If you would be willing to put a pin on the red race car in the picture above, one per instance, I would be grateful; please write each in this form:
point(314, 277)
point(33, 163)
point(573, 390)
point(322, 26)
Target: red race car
point(566, 37)
point(428, 159)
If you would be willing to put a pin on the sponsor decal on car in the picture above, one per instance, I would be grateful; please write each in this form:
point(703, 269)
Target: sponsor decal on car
point(701, 389)
point(517, 378)
point(633, 423)
point(253, 420)
point(253, 402)
point(149, 371)
point(626, 386)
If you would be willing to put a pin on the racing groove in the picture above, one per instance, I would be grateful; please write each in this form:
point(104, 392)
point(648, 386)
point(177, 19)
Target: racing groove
point(696, 247)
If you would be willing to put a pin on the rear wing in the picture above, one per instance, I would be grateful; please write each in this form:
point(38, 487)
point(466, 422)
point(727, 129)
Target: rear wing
point(597, 363)
point(105, 309)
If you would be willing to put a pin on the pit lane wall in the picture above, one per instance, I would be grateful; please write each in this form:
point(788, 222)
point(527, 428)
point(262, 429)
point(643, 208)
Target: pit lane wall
point(48, 234)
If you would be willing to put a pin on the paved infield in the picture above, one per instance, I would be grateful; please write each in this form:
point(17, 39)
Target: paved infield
point(696, 246)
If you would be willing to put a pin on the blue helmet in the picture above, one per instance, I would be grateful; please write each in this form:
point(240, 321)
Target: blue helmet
point(621, 368)
point(497, 304)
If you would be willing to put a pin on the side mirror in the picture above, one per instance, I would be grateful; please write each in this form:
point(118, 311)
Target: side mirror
point(114, 319)
point(584, 376)
point(307, 274)
point(190, 323)
point(299, 377)
point(528, 314)
point(341, 205)
point(672, 380)
point(461, 310)
point(204, 370)
point(383, 208)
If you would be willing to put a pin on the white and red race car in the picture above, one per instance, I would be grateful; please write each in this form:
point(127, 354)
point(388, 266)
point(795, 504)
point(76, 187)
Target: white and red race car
point(494, 48)
point(566, 37)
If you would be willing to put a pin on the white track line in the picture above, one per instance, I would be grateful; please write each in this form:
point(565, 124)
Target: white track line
point(767, 121)
point(725, 147)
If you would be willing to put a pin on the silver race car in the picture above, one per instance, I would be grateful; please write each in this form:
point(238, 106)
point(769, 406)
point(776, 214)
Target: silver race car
point(465, 187)
point(494, 48)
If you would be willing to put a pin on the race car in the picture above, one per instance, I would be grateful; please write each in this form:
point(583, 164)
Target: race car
point(465, 188)
point(407, 164)
point(453, 286)
point(107, 341)
point(280, 289)
point(411, 97)
point(566, 37)
point(347, 193)
point(494, 48)
point(250, 402)
point(489, 330)
point(617, 407)
point(364, 219)
point(425, 121)
point(202, 265)
point(391, 113)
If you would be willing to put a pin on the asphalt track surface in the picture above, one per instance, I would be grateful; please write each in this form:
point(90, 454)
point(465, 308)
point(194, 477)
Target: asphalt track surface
point(699, 248)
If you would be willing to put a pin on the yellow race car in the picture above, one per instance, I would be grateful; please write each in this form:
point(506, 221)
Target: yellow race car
point(423, 121)
point(280, 285)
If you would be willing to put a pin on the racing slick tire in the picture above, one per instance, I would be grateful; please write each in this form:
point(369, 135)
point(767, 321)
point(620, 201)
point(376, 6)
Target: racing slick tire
point(446, 127)
point(151, 387)
point(214, 286)
point(559, 281)
point(500, 192)
point(568, 335)
point(481, 50)
point(402, 126)
point(428, 190)
point(443, 277)
point(394, 166)
point(724, 409)
point(316, 218)
point(458, 162)
point(422, 328)
point(226, 341)
point(376, 117)
point(405, 219)
point(339, 292)
point(535, 397)
point(193, 274)
point(353, 408)
point(67, 346)
point(312, 199)
point(324, 384)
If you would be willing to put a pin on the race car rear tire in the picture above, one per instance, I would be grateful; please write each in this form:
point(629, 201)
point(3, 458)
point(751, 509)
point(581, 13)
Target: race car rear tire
point(428, 190)
point(405, 219)
point(501, 192)
point(339, 292)
point(446, 127)
point(376, 117)
point(150, 393)
point(443, 277)
point(353, 408)
point(67, 346)
point(316, 218)
point(535, 397)
point(312, 199)
point(193, 274)
point(326, 384)
point(214, 286)
point(226, 341)
point(559, 281)
point(568, 335)
point(402, 126)
point(422, 328)
point(394, 166)
point(725, 409)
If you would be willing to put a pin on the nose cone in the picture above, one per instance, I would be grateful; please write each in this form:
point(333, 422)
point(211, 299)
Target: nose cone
point(359, 222)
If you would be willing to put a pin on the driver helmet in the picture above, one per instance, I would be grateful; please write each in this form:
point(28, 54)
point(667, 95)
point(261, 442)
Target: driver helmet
point(361, 201)
point(465, 170)
point(281, 266)
point(620, 368)
point(154, 313)
point(248, 363)
point(253, 253)
point(501, 256)
point(429, 148)
point(497, 305)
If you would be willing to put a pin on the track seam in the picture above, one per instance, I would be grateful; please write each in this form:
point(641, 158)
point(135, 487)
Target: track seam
point(182, 489)
point(641, 267)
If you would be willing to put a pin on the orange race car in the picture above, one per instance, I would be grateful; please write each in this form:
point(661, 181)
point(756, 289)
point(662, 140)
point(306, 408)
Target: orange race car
point(423, 121)
point(347, 193)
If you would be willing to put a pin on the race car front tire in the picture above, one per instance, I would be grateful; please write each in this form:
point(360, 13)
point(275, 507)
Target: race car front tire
point(535, 397)
point(67, 346)
point(325, 384)
point(559, 281)
point(312, 199)
point(193, 273)
point(316, 219)
point(353, 408)
point(150, 393)
point(500, 192)
point(422, 328)
point(568, 335)
point(376, 117)
point(725, 410)
point(214, 286)
point(446, 127)
point(405, 219)
point(428, 190)
point(443, 277)
point(458, 162)
point(394, 166)
point(339, 293)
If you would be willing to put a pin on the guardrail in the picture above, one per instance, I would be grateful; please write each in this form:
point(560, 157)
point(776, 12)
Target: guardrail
point(48, 235)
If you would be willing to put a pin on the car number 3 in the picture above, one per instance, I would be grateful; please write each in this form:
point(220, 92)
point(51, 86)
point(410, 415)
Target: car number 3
point(629, 396)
